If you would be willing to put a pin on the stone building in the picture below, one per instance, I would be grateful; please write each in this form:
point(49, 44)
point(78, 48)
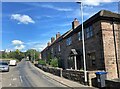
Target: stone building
point(102, 45)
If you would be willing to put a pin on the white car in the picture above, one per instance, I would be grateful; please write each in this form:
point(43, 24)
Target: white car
point(13, 63)
point(4, 66)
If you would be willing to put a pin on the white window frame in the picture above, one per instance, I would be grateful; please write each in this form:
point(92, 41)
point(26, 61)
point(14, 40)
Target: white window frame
point(69, 41)
point(80, 35)
point(59, 48)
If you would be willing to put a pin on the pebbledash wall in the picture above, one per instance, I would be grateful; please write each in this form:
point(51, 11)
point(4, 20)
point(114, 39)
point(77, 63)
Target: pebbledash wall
point(102, 45)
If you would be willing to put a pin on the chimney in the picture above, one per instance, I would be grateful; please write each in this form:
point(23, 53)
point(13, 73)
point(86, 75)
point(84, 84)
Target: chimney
point(48, 44)
point(57, 35)
point(52, 39)
point(75, 23)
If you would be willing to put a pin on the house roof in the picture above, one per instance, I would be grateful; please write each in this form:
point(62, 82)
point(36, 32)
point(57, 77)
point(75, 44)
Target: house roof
point(101, 15)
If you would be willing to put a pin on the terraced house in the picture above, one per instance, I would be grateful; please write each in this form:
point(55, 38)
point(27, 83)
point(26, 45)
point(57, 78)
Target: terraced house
point(102, 45)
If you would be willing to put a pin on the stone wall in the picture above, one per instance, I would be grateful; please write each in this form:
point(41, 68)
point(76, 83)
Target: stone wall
point(74, 75)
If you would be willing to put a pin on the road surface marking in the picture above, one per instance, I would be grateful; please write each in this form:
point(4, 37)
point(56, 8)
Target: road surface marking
point(21, 79)
point(14, 79)
point(10, 84)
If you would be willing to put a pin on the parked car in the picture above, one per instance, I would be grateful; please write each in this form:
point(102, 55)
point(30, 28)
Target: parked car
point(4, 66)
point(13, 63)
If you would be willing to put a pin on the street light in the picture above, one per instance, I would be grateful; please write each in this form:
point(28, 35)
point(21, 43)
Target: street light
point(83, 40)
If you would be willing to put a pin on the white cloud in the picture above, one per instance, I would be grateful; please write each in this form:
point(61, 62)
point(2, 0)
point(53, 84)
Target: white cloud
point(39, 47)
point(25, 19)
point(51, 6)
point(20, 47)
point(17, 42)
point(57, 8)
point(95, 2)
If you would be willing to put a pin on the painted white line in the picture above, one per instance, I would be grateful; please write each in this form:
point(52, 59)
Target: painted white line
point(14, 79)
point(21, 79)
point(10, 84)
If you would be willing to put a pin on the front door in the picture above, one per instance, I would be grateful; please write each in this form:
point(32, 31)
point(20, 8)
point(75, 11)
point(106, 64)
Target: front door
point(79, 62)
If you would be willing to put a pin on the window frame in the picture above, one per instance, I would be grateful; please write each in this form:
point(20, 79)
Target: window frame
point(89, 31)
point(80, 35)
point(59, 47)
point(68, 41)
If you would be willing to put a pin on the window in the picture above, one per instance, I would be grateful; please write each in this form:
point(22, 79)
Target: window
point(89, 32)
point(59, 48)
point(80, 35)
point(52, 50)
point(68, 41)
point(92, 59)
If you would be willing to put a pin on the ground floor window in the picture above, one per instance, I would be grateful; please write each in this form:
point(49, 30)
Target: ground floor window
point(92, 61)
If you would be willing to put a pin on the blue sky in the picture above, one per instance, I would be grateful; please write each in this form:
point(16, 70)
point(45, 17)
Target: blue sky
point(28, 25)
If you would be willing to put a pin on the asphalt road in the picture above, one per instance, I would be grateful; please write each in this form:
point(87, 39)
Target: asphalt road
point(25, 75)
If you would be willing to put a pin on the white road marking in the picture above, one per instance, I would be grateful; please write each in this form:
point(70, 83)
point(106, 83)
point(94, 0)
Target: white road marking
point(14, 79)
point(21, 79)
point(10, 84)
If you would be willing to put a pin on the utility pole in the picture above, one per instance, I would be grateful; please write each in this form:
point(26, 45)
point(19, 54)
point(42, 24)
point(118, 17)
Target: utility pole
point(83, 41)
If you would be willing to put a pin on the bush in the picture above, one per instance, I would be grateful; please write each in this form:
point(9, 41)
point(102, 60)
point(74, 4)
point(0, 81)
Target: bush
point(42, 62)
point(54, 62)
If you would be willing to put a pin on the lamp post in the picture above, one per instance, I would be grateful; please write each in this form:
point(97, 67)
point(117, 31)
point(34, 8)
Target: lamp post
point(83, 41)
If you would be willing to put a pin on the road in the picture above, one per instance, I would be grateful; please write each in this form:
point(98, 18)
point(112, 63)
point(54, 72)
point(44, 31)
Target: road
point(25, 75)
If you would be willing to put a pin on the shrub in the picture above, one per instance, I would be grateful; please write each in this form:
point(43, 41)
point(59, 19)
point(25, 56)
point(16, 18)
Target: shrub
point(42, 62)
point(54, 62)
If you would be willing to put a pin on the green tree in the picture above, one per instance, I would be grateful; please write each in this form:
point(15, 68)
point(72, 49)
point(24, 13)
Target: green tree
point(4, 55)
point(32, 54)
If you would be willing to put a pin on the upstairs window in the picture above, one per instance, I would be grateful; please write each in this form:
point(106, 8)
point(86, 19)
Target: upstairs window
point(80, 35)
point(59, 49)
point(89, 32)
point(51, 50)
point(68, 41)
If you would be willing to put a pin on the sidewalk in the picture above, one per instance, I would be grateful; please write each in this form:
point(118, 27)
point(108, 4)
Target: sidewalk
point(64, 81)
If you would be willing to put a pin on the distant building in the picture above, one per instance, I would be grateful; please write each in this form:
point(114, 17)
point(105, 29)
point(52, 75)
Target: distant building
point(102, 45)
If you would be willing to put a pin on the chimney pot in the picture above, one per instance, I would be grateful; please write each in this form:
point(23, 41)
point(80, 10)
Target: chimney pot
point(57, 35)
point(75, 23)
point(48, 44)
point(52, 39)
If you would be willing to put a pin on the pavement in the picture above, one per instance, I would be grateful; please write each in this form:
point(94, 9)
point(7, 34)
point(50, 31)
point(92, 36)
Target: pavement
point(64, 81)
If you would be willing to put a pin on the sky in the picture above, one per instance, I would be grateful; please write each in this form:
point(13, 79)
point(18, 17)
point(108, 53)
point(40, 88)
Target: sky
point(30, 25)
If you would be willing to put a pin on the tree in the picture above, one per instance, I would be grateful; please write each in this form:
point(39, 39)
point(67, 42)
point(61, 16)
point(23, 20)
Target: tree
point(13, 54)
point(4, 55)
point(32, 54)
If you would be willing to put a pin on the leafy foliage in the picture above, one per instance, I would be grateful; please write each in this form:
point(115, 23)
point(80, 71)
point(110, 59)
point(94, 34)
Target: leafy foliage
point(32, 54)
point(13, 54)
point(54, 62)
point(42, 62)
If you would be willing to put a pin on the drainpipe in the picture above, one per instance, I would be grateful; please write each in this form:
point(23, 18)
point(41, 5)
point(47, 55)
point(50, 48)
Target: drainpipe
point(115, 48)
